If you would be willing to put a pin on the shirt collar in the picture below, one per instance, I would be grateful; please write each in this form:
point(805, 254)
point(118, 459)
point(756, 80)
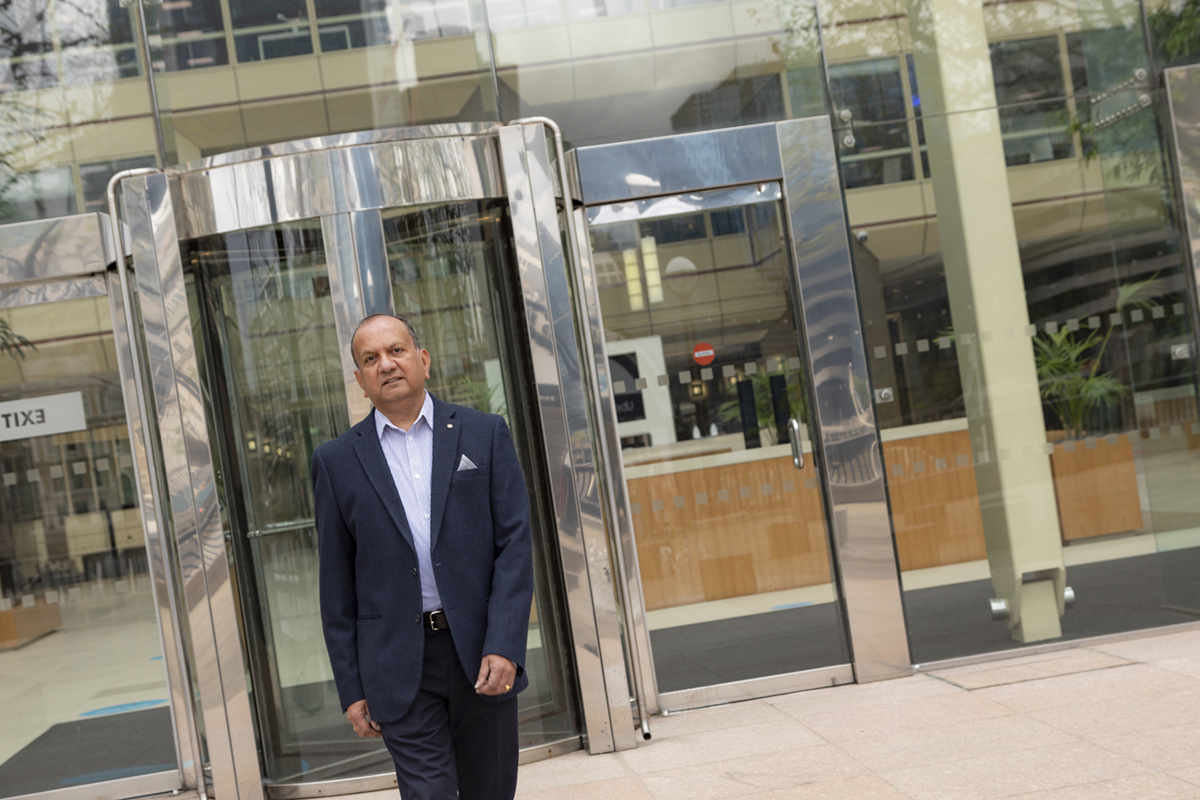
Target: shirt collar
point(382, 423)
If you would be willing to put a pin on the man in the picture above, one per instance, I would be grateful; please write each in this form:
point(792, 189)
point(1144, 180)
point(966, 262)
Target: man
point(426, 574)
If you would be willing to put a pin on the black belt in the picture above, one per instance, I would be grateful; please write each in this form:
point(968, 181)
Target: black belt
point(436, 620)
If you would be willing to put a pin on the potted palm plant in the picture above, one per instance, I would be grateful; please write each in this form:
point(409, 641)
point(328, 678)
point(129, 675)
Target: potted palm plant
point(1096, 484)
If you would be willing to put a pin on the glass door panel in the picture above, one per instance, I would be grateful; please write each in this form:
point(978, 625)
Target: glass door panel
point(273, 365)
point(452, 274)
point(83, 693)
point(702, 337)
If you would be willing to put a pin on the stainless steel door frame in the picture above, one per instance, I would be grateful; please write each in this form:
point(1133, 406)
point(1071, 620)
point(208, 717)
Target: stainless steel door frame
point(195, 519)
point(798, 155)
point(63, 258)
point(345, 181)
point(567, 436)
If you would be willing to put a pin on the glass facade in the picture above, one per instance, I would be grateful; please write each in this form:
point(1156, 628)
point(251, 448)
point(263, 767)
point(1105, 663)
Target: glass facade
point(1023, 280)
point(85, 693)
point(701, 331)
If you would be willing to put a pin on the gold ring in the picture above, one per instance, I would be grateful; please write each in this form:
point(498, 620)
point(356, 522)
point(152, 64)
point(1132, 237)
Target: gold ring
point(507, 687)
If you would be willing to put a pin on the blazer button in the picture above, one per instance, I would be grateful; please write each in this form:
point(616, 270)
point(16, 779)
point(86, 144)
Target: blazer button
point(414, 570)
point(417, 618)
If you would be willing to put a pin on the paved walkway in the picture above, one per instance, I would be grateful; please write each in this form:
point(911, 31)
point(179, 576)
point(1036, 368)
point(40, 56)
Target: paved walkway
point(1119, 720)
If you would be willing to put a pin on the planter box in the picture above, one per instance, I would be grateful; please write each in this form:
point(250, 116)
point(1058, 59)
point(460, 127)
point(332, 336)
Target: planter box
point(1095, 482)
point(19, 625)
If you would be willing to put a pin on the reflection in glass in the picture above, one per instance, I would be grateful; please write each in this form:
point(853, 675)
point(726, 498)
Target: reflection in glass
point(702, 339)
point(193, 34)
point(272, 355)
point(504, 15)
point(95, 179)
point(1025, 72)
point(26, 49)
point(97, 40)
point(346, 24)
point(871, 91)
point(85, 693)
point(267, 29)
point(449, 265)
point(1106, 293)
point(665, 67)
point(38, 195)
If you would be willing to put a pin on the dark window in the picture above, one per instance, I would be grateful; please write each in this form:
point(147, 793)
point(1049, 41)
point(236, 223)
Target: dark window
point(728, 221)
point(273, 29)
point(675, 229)
point(193, 35)
point(873, 94)
point(1030, 92)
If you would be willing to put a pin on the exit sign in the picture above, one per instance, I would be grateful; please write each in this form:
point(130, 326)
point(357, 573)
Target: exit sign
point(42, 416)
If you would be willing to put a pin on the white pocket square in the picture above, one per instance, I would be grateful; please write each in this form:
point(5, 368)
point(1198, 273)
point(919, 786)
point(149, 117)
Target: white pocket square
point(466, 463)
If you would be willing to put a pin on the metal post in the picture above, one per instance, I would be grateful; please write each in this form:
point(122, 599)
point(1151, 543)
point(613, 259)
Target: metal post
point(135, 356)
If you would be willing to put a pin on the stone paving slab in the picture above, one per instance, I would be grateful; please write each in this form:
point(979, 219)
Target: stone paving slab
point(1118, 720)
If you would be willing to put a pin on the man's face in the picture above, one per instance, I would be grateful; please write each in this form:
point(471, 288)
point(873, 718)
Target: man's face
point(390, 369)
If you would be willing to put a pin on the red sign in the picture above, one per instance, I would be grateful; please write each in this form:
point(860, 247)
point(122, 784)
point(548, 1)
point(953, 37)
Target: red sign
point(704, 354)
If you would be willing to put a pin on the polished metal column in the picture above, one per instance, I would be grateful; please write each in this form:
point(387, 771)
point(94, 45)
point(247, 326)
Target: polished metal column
point(370, 251)
point(158, 553)
point(346, 291)
point(592, 606)
point(612, 474)
point(194, 517)
point(845, 417)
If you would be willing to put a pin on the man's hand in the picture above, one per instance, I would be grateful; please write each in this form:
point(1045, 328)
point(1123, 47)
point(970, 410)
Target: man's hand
point(360, 718)
point(496, 675)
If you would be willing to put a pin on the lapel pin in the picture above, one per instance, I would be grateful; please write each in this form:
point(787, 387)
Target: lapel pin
point(449, 424)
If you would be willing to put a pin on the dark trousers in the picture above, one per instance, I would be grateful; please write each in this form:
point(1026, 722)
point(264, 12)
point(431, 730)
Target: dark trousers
point(452, 743)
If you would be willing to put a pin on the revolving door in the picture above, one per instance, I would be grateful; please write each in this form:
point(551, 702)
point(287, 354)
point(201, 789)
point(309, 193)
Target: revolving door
point(252, 270)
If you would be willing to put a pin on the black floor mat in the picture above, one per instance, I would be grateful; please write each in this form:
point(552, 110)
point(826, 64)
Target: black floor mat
point(943, 622)
point(1111, 597)
point(91, 750)
point(737, 649)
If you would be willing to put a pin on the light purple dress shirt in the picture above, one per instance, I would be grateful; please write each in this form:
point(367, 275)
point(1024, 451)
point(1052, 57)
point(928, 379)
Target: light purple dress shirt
point(410, 458)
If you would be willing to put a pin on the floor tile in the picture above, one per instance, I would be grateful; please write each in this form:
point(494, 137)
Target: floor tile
point(1184, 666)
point(573, 768)
point(908, 715)
point(628, 788)
point(1165, 748)
point(1018, 670)
point(1155, 648)
point(1039, 769)
point(866, 787)
point(711, 746)
point(746, 776)
point(1065, 690)
point(862, 695)
point(1153, 786)
point(960, 742)
point(1188, 774)
point(735, 715)
point(1117, 716)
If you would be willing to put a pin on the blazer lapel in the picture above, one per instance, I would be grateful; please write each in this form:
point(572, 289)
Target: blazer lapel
point(370, 453)
point(445, 448)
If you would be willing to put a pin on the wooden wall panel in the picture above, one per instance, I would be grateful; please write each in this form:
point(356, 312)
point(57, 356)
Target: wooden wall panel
point(1096, 488)
point(935, 503)
point(19, 625)
point(695, 546)
point(728, 531)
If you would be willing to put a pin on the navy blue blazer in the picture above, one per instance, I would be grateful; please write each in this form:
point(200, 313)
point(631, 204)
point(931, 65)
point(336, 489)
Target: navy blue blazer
point(370, 585)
